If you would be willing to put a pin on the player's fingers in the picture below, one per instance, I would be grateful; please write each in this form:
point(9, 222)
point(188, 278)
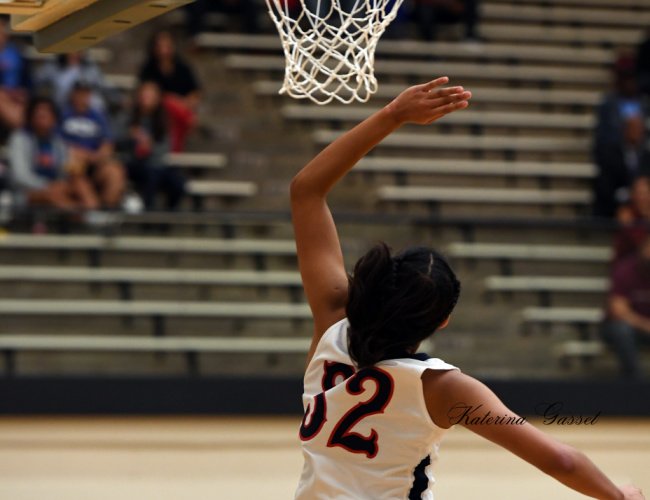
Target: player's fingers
point(445, 110)
point(449, 108)
point(435, 83)
point(443, 101)
point(433, 119)
point(434, 94)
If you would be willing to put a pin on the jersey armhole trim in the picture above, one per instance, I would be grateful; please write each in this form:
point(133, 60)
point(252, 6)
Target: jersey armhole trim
point(422, 398)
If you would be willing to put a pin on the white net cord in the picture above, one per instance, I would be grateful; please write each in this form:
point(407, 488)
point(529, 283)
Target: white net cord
point(329, 46)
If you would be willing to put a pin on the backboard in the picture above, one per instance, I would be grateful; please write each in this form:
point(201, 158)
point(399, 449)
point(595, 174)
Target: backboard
point(70, 25)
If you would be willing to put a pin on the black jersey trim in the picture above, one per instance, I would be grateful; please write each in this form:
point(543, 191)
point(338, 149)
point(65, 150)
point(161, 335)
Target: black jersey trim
point(420, 479)
point(420, 356)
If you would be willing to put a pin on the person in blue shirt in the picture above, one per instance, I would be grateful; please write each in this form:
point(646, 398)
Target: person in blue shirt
point(43, 170)
point(14, 81)
point(86, 130)
point(619, 148)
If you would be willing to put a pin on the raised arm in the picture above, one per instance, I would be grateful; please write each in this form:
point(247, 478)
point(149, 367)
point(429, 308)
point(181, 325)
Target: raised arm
point(319, 252)
point(455, 398)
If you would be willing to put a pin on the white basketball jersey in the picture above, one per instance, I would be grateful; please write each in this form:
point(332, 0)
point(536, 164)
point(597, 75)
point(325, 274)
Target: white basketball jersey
point(366, 434)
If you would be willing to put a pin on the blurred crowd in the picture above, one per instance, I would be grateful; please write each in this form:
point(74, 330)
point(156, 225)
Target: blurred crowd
point(72, 142)
point(620, 151)
point(621, 154)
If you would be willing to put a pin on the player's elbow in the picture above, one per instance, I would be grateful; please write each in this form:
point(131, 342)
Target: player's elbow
point(562, 462)
point(296, 189)
point(300, 190)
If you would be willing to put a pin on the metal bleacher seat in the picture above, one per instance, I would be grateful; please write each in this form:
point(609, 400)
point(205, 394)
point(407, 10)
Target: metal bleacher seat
point(533, 252)
point(582, 318)
point(403, 166)
point(632, 4)
point(98, 55)
point(259, 249)
point(569, 15)
point(545, 286)
point(583, 349)
point(203, 161)
point(126, 277)
point(423, 141)
point(124, 82)
point(520, 120)
point(562, 315)
point(592, 77)
point(494, 196)
point(413, 49)
point(191, 347)
point(537, 33)
point(566, 284)
point(158, 311)
point(480, 95)
point(199, 190)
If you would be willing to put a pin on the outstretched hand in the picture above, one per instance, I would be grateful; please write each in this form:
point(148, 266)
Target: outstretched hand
point(426, 103)
point(632, 493)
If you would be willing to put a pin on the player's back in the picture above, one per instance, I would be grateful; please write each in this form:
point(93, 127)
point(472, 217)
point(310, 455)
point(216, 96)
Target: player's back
point(366, 434)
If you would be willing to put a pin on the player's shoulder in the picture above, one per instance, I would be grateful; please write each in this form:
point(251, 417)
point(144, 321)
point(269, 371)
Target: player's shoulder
point(445, 388)
point(453, 382)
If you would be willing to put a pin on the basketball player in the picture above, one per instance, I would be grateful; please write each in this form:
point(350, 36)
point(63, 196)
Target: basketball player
point(375, 411)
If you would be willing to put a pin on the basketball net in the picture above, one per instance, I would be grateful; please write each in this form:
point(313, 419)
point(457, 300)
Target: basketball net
point(329, 46)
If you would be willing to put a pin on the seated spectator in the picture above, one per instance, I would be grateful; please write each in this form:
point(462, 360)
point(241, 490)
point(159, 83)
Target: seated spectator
point(430, 14)
point(146, 148)
point(178, 83)
point(634, 219)
point(87, 131)
point(57, 78)
point(617, 165)
point(43, 170)
point(643, 64)
point(14, 81)
point(245, 13)
point(628, 319)
point(619, 145)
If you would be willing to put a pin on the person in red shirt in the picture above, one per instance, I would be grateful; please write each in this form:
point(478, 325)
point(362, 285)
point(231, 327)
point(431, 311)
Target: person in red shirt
point(628, 320)
point(179, 84)
point(634, 219)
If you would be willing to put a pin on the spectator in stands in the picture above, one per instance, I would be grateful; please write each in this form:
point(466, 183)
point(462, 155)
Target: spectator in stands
point(618, 164)
point(643, 64)
point(56, 78)
point(44, 171)
point(146, 148)
point(87, 131)
point(14, 81)
point(628, 320)
point(634, 219)
point(244, 12)
point(430, 14)
point(178, 82)
point(399, 28)
point(619, 146)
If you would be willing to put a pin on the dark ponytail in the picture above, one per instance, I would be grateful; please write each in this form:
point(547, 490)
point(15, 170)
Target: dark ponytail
point(394, 303)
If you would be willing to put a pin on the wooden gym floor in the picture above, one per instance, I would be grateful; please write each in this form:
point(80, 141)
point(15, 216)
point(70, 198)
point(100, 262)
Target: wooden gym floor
point(259, 458)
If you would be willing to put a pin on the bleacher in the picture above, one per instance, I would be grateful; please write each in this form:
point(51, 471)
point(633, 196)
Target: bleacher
point(521, 153)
